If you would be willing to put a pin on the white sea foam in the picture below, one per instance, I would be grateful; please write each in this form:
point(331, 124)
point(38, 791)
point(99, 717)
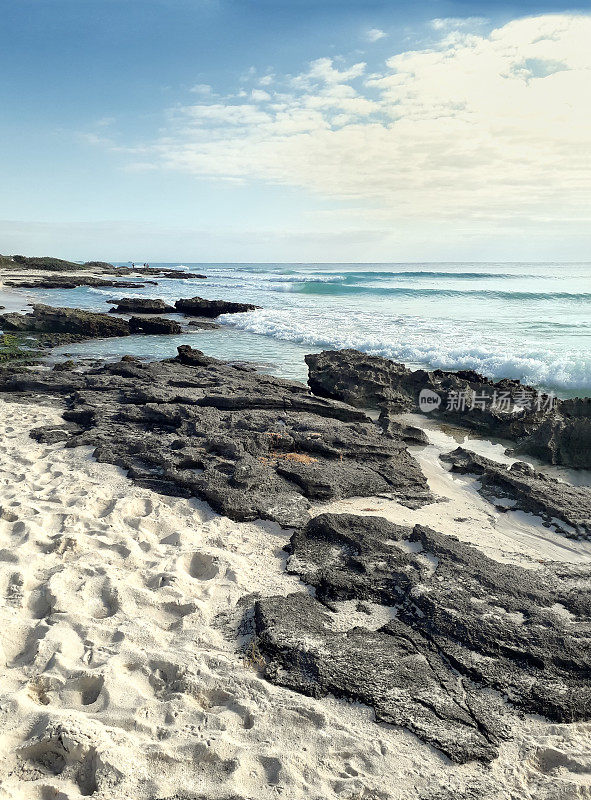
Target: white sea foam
point(435, 344)
point(526, 321)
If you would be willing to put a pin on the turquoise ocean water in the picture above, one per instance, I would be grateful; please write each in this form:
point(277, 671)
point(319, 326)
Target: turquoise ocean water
point(518, 320)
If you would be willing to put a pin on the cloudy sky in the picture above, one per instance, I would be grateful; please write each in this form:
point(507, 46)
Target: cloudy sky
point(292, 130)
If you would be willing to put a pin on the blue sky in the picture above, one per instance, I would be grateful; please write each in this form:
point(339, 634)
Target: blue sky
point(295, 131)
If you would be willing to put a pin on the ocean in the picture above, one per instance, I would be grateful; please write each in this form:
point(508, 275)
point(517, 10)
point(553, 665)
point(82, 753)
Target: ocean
point(506, 320)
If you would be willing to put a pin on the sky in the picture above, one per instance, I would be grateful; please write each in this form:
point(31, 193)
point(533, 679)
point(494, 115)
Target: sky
point(300, 131)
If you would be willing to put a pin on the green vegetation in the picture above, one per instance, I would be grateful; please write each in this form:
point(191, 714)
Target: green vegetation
point(15, 350)
point(41, 262)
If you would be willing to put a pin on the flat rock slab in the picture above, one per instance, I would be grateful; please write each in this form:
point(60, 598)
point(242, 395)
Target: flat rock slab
point(251, 445)
point(567, 508)
point(459, 625)
point(72, 282)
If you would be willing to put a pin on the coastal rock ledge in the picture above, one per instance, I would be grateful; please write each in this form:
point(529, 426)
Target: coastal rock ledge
point(76, 324)
point(431, 633)
point(428, 631)
point(189, 306)
point(251, 445)
point(553, 430)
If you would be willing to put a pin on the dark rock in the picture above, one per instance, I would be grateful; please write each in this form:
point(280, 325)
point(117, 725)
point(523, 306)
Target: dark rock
point(62, 366)
point(13, 321)
point(140, 305)
point(562, 437)
point(154, 325)
point(46, 319)
point(408, 433)
point(199, 307)
point(563, 506)
point(203, 325)
point(165, 272)
point(460, 622)
point(392, 671)
point(71, 282)
point(359, 379)
point(193, 358)
point(250, 444)
point(554, 430)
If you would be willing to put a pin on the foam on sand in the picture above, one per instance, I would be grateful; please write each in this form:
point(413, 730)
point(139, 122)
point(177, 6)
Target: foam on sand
point(120, 674)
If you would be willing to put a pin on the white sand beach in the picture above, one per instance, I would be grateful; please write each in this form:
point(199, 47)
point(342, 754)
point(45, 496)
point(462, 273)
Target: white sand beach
point(120, 676)
point(295, 400)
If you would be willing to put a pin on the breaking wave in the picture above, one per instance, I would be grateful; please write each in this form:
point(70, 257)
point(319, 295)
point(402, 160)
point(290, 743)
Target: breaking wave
point(427, 343)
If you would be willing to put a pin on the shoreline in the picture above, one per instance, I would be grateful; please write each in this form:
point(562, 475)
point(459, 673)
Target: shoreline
point(270, 327)
point(146, 671)
point(132, 634)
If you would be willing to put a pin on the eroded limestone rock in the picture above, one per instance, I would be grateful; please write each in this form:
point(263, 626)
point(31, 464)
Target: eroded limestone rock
point(460, 626)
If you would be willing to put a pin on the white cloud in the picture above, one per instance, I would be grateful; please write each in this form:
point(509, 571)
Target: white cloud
point(259, 95)
point(455, 23)
point(202, 88)
point(375, 34)
point(491, 127)
point(322, 70)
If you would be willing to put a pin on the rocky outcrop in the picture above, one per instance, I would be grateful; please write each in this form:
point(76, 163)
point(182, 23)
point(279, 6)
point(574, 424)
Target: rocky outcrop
point(562, 506)
point(362, 380)
point(557, 431)
point(45, 319)
point(561, 437)
point(160, 325)
point(418, 625)
point(199, 307)
point(71, 282)
point(165, 272)
point(252, 445)
point(204, 325)
point(140, 305)
point(408, 433)
point(50, 264)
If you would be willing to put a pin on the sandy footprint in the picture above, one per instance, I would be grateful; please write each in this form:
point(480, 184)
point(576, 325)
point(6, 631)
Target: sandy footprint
point(201, 566)
point(135, 510)
point(41, 602)
point(83, 690)
point(103, 508)
point(66, 750)
point(109, 601)
point(219, 701)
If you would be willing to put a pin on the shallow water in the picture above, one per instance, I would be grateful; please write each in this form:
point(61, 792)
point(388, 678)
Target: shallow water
point(527, 321)
point(285, 360)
